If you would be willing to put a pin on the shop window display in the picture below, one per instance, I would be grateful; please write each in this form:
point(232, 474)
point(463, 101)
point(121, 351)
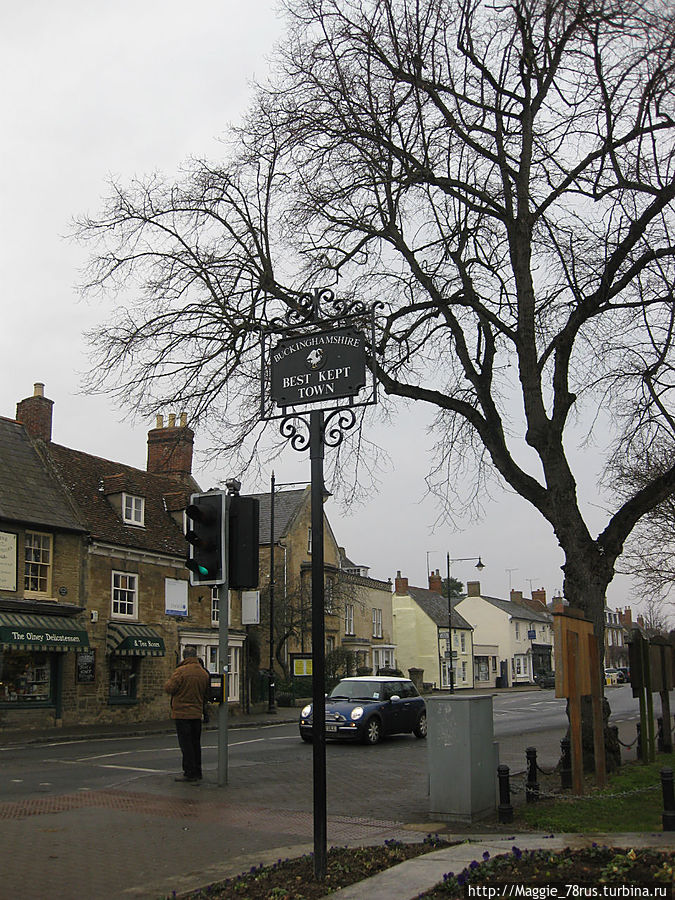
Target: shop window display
point(123, 678)
point(25, 677)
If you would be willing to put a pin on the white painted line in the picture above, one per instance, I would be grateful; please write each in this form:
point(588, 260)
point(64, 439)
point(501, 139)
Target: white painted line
point(134, 768)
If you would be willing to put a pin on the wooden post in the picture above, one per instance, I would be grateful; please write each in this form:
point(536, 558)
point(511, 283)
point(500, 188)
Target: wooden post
point(574, 700)
point(596, 700)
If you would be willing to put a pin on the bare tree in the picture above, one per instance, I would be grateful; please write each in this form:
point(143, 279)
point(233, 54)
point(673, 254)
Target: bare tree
point(500, 175)
point(650, 550)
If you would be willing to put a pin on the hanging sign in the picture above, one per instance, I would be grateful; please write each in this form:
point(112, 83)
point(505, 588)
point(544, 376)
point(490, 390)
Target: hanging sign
point(319, 366)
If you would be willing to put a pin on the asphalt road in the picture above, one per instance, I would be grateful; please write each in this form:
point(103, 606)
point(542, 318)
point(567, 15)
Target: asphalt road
point(271, 763)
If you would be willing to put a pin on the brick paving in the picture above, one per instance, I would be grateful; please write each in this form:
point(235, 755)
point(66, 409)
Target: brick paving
point(113, 843)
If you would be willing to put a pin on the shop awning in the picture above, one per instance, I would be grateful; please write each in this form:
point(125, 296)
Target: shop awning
point(19, 631)
point(129, 639)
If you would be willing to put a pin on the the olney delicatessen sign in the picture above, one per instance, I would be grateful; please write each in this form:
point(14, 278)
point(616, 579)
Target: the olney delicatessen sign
point(319, 366)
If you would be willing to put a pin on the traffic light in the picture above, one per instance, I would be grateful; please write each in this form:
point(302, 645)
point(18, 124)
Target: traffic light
point(206, 530)
point(244, 543)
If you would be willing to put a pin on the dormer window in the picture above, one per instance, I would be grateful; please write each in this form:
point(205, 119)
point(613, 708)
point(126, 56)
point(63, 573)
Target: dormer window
point(133, 509)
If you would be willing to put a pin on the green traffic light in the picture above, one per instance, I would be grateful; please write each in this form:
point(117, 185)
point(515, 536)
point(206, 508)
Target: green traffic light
point(202, 570)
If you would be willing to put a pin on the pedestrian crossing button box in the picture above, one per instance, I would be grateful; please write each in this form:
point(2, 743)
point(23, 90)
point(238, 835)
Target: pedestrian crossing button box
point(216, 687)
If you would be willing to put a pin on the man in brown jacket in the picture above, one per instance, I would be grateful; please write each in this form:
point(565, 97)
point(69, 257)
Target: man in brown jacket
point(188, 687)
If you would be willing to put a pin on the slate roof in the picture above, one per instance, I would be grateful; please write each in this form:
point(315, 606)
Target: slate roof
point(86, 478)
point(287, 505)
point(435, 605)
point(511, 608)
point(28, 493)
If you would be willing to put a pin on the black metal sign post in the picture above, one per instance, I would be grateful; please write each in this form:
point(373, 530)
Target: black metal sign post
point(319, 359)
point(318, 645)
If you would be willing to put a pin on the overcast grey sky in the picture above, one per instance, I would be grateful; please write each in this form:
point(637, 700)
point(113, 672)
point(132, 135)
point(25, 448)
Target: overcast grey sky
point(125, 89)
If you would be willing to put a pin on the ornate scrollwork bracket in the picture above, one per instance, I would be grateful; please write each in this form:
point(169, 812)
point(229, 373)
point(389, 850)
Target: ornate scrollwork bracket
point(296, 428)
point(336, 426)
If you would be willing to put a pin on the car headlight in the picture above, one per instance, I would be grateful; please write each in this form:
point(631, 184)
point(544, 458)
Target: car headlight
point(306, 711)
point(357, 712)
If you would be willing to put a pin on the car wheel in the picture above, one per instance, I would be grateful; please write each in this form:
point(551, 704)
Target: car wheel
point(307, 738)
point(372, 733)
point(420, 730)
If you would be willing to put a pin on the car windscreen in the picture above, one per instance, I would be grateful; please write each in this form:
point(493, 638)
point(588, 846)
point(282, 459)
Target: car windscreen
point(358, 690)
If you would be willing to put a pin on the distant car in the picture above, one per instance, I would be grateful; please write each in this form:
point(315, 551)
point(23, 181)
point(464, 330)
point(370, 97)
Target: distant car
point(626, 673)
point(367, 708)
point(545, 679)
point(614, 676)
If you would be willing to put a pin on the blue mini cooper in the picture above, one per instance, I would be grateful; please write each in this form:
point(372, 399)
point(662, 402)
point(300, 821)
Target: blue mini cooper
point(367, 708)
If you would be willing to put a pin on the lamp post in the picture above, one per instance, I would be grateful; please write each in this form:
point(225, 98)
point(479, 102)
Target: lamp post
point(480, 566)
point(271, 696)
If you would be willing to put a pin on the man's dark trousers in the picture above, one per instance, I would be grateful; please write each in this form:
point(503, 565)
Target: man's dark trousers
point(189, 733)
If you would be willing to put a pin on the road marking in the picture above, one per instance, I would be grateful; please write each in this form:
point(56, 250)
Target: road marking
point(133, 768)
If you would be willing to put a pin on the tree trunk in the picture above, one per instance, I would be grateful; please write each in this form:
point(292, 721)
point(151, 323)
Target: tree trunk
point(587, 576)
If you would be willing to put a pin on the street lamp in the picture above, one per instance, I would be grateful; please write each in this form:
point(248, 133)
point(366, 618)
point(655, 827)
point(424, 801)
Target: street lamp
point(480, 566)
point(271, 697)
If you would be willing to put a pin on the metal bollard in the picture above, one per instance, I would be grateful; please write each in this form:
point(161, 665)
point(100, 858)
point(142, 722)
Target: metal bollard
point(668, 817)
point(531, 785)
point(565, 764)
point(505, 809)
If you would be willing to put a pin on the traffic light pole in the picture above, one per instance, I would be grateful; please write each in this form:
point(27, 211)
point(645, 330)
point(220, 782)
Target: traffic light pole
point(223, 658)
point(223, 655)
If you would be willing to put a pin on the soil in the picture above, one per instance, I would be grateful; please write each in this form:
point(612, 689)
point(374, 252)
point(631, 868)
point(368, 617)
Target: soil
point(293, 879)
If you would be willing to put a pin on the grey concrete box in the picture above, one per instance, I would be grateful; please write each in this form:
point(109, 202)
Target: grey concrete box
point(463, 758)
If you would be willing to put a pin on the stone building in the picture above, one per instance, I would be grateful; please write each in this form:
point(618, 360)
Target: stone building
point(421, 629)
point(109, 555)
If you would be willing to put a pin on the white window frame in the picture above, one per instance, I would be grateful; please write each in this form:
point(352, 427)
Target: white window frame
point(129, 591)
point(133, 510)
point(215, 611)
point(377, 622)
point(517, 624)
point(233, 672)
point(309, 539)
point(349, 618)
point(40, 565)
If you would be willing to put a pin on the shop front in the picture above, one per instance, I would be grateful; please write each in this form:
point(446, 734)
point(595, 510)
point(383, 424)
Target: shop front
point(33, 653)
point(127, 647)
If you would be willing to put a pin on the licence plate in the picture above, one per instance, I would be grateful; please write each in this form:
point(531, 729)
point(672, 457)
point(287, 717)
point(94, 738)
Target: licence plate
point(331, 727)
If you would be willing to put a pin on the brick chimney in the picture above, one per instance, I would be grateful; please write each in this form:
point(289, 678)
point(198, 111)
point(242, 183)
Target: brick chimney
point(540, 595)
point(170, 448)
point(435, 582)
point(626, 617)
point(516, 596)
point(400, 584)
point(473, 589)
point(35, 413)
